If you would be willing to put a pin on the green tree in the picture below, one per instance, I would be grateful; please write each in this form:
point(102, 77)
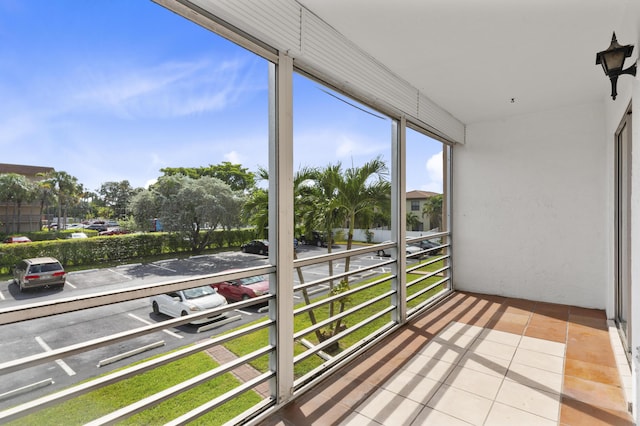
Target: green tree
point(359, 191)
point(191, 207)
point(117, 196)
point(16, 189)
point(412, 221)
point(329, 196)
point(67, 191)
point(144, 207)
point(432, 208)
point(237, 177)
point(45, 195)
point(255, 211)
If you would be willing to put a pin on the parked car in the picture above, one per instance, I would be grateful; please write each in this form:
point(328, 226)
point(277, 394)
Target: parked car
point(382, 252)
point(317, 239)
point(256, 247)
point(39, 272)
point(78, 235)
point(11, 240)
point(186, 302)
point(75, 226)
point(97, 227)
point(410, 249)
point(428, 244)
point(243, 288)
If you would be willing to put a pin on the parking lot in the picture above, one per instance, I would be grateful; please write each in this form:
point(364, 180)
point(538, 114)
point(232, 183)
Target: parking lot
point(44, 334)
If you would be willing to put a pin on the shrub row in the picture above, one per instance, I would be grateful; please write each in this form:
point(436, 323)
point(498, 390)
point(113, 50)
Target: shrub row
point(91, 251)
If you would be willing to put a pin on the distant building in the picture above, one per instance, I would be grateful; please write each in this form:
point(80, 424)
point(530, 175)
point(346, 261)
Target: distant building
point(30, 219)
point(415, 203)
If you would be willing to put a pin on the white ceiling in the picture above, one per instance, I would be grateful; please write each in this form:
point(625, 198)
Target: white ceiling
point(473, 56)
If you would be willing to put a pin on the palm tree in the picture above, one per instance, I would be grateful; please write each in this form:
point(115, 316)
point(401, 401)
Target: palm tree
point(433, 210)
point(16, 188)
point(45, 194)
point(348, 195)
point(66, 189)
point(412, 220)
point(255, 210)
point(360, 190)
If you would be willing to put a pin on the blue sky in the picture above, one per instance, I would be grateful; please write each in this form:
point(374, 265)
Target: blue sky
point(109, 90)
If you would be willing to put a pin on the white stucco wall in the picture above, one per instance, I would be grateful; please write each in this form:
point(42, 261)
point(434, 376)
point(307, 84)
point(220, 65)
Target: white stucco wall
point(530, 207)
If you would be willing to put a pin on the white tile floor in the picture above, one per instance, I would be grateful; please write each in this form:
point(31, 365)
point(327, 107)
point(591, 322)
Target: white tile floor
point(472, 376)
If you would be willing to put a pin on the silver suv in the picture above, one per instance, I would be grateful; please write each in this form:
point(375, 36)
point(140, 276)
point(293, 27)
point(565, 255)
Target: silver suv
point(39, 272)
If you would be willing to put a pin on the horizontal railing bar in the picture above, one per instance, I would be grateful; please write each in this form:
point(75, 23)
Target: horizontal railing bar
point(427, 276)
point(321, 346)
point(341, 315)
point(338, 276)
point(430, 262)
point(345, 356)
point(86, 387)
point(412, 240)
point(325, 257)
point(257, 411)
point(338, 296)
point(422, 307)
point(70, 304)
point(43, 357)
point(157, 398)
point(426, 289)
point(436, 248)
point(210, 405)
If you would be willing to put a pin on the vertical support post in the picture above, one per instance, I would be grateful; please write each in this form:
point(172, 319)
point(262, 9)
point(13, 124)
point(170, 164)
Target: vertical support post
point(399, 216)
point(446, 207)
point(281, 224)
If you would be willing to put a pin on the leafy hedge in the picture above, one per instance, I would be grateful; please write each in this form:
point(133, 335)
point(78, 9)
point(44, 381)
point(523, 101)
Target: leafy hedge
point(91, 251)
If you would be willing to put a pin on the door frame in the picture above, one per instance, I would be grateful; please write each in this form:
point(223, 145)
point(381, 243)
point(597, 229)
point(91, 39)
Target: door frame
point(622, 219)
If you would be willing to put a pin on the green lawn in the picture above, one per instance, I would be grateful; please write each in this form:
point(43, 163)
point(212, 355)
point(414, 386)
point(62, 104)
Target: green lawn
point(95, 404)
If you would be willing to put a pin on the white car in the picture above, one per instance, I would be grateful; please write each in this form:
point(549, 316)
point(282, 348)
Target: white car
point(410, 249)
point(189, 301)
point(78, 235)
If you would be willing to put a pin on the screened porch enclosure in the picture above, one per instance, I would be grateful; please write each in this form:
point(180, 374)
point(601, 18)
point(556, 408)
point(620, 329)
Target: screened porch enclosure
point(532, 251)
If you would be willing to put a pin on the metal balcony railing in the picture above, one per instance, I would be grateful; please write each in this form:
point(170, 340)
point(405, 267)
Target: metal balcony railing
point(336, 315)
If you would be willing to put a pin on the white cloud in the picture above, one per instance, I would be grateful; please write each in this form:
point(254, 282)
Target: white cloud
point(170, 89)
point(233, 157)
point(434, 173)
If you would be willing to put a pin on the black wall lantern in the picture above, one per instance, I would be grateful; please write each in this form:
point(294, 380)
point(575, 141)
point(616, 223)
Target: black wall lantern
point(612, 61)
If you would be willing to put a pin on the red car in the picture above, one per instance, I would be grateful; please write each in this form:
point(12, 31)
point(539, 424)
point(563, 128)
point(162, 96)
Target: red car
point(244, 288)
point(11, 240)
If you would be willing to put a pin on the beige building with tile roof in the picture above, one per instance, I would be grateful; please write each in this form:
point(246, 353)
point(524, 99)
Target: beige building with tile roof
point(415, 203)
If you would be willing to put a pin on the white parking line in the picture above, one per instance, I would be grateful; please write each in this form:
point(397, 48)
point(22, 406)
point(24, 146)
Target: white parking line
point(60, 362)
point(162, 267)
point(121, 274)
point(69, 284)
point(144, 321)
